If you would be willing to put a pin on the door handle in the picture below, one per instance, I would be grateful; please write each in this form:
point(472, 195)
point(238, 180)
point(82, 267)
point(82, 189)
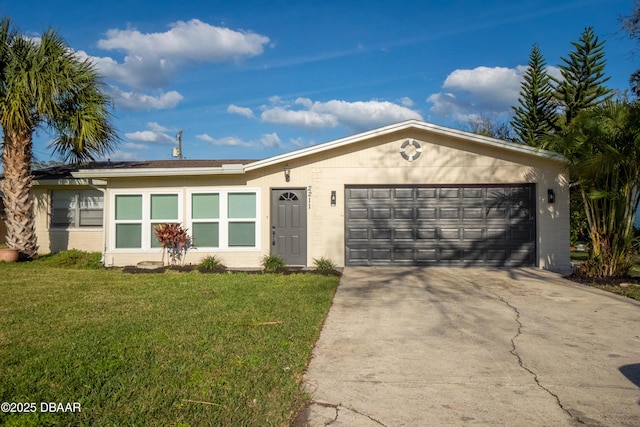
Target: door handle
point(273, 239)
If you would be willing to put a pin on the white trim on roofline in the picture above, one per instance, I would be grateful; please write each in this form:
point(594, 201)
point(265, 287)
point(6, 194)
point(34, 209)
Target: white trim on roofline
point(417, 124)
point(240, 169)
point(139, 172)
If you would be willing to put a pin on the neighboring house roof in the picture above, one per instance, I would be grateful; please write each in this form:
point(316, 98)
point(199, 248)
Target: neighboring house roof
point(215, 167)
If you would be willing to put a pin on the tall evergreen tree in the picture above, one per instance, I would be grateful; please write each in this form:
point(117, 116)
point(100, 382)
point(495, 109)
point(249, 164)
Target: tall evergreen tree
point(535, 115)
point(583, 77)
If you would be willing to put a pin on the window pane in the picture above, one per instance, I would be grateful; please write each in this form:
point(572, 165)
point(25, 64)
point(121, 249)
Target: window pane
point(155, 243)
point(242, 234)
point(63, 199)
point(128, 235)
point(164, 206)
point(128, 206)
point(63, 218)
point(91, 199)
point(205, 206)
point(91, 218)
point(205, 234)
point(242, 205)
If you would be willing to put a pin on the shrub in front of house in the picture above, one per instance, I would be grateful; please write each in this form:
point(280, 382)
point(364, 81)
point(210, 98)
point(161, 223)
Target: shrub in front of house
point(273, 264)
point(211, 264)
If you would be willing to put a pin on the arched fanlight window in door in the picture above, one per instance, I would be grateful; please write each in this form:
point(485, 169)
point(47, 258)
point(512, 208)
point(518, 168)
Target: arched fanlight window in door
point(288, 196)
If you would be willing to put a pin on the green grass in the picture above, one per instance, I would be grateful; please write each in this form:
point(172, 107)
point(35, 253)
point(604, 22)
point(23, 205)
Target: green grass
point(173, 348)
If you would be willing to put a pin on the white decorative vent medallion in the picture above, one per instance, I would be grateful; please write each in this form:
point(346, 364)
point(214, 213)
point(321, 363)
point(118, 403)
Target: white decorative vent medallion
point(410, 150)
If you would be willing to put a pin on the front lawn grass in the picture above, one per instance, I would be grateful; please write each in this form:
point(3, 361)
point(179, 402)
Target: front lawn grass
point(173, 348)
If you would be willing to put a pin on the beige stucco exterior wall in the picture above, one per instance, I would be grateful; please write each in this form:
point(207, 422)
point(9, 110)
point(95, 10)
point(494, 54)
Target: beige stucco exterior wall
point(444, 160)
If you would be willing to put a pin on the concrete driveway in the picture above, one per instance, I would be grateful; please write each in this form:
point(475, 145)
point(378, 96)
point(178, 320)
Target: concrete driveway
point(444, 346)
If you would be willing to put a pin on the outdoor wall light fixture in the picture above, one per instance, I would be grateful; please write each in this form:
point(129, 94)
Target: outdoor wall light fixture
point(551, 196)
point(287, 173)
point(333, 198)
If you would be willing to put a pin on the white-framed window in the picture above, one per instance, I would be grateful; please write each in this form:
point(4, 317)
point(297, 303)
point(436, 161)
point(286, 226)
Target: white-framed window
point(76, 208)
point(224, 219)
point(135, 213)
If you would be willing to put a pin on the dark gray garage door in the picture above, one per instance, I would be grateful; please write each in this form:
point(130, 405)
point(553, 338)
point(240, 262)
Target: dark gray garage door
point(492, 225)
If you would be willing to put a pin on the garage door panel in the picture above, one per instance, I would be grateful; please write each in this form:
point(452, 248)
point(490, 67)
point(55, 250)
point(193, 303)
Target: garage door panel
point(381, 193)
point(381, 234)
point(381, 213)
point(427, 213)
point(358, 235)
point(426, 255)
point(381, 254)
point(357, 213)
point(449, 234)
point(434, 225)
point(473, 193)
point(473, 234)
point(403, 193)
point(427, 233)
point(473, 213)
point(404, 234)
point(449, 213)
point(426, 193)
point(403, 213)
point(449, 193)
point(357, 194)
point(403, 254)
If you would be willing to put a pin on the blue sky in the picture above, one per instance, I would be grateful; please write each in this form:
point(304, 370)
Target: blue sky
point(252, 79)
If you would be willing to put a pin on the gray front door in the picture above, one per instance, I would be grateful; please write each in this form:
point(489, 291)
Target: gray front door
point(289, 225)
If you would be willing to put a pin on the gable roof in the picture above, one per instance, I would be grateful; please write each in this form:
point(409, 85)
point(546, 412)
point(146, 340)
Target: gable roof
point(215, 167)
point(409, 124)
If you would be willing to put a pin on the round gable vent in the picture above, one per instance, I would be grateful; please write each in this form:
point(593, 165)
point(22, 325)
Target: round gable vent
point(410, 150)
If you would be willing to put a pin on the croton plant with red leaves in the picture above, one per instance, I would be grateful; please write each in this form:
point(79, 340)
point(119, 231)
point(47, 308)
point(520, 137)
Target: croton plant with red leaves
point(175, 241)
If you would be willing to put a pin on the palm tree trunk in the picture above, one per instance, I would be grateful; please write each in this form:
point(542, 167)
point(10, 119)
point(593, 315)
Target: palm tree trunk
point(20, 221)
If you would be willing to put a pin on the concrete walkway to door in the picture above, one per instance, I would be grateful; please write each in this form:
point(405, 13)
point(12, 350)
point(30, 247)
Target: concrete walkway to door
point(444, 346)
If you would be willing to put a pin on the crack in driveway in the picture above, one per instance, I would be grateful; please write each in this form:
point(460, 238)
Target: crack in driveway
point(338, 407)
point(514, 352)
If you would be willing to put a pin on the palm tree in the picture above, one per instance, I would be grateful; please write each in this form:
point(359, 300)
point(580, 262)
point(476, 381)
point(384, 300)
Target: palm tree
point(603, 149)
point(44, 84)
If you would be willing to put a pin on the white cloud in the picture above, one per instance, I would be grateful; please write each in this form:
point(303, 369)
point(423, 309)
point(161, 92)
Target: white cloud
point(154, 126)
point(234, 109)
point(227, 140)
point(305, 113)
point(121, 156)
point(140, 101)
point(133, 146)
point(268, 140)
point(152, 59)
point(156, 135)
point(406, 101)
point(480, 91)
point(271, 140)
point(304, 118)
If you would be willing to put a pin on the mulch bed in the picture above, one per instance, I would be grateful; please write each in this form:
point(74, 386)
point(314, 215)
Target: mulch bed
point(608, 281)
point(132, 269)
